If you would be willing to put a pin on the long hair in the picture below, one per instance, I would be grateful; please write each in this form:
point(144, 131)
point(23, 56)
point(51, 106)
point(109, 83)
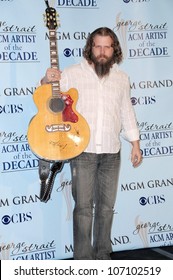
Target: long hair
point(103, 31)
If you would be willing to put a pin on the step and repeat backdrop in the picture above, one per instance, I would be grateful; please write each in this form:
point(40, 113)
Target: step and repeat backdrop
point(34, 230)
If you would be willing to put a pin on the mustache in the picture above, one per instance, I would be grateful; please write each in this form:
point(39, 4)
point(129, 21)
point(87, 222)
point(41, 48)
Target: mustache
point(102, 56)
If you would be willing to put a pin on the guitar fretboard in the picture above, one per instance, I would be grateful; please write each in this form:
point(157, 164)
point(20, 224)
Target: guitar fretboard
point(54, 61)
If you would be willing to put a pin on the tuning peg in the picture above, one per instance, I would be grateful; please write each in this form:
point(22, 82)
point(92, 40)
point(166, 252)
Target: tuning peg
point(44, 18)
point(58, 23)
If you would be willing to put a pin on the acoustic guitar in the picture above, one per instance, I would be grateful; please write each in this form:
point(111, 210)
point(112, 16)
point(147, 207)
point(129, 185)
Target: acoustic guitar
point(57, 132)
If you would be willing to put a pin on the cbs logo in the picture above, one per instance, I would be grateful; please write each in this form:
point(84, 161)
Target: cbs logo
point(16, 218)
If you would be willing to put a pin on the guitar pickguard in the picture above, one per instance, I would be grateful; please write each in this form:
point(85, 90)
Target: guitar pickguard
point(68, 115)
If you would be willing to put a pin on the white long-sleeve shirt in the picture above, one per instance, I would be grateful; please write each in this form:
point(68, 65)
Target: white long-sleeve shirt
point(104, 103)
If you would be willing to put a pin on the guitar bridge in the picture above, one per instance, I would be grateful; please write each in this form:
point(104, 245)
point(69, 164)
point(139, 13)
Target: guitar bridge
point(58, 127)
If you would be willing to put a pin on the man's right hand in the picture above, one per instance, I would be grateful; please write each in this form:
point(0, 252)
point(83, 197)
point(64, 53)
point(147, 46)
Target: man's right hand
point(52, 75)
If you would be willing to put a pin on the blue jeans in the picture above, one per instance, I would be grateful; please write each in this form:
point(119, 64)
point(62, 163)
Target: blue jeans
point(94, 188)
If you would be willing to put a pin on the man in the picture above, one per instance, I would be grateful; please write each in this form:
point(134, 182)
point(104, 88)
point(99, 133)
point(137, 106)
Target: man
point(104, 101)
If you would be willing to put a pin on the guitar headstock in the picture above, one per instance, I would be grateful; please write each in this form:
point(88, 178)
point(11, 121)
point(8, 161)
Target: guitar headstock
point(52, 19)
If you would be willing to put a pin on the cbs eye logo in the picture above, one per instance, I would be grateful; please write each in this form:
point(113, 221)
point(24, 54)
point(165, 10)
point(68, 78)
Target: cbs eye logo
point(134, 100)
point(152, 200)
point(76, 52)
point(143, 201)
point(6, 220)
point(67, 52)
point(143, 100)
point(16, 218)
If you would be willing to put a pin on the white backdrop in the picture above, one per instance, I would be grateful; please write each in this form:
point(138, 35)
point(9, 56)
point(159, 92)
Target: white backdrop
point(32, 230)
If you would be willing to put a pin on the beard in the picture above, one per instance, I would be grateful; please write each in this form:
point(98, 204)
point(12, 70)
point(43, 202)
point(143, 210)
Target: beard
point(102, 64)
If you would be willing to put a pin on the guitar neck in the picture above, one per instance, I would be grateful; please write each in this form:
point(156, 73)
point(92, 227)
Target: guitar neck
point(54, 61)
point(53, 49)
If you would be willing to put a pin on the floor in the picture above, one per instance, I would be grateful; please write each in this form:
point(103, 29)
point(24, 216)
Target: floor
point(160, 253)
point(156, 253)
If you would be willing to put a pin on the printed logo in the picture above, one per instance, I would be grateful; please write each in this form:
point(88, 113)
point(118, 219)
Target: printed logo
point(137, 186)
point(154, 232)
point(136, 1)
point(154, 199)
point(123, 240)
point(67, 52)
point(19, 91)
point(25, 251)
point(149, 44)
point(77, 4)
point(143, 201)
point(16, 218)
point(76, 52)
point(143, 100)
point(19, 200)
point(65, 188)
point(6, 220)
point(11, 109)
point(156, 138)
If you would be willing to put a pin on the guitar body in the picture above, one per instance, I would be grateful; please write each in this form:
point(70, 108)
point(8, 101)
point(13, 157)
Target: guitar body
point(56, 135)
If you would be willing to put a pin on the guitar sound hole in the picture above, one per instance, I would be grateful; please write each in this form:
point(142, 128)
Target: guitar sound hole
point(56, 105)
